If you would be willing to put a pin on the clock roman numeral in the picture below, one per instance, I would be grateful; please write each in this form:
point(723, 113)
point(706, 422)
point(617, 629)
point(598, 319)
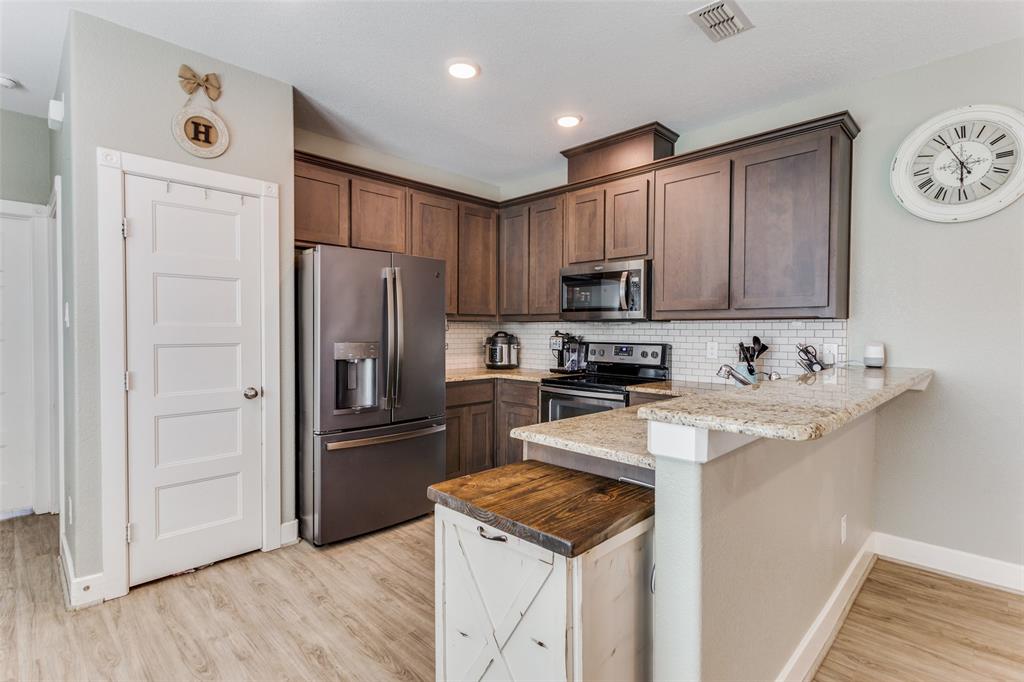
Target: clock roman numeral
point(996, 140)
point(923, 171)
point(941, 140)
point(980, 132)
point(960, 194)
point(940, 193)
point(960, 132)
point(999, 169)
point(1003, 155)
point(982, 183)
point(928, 182)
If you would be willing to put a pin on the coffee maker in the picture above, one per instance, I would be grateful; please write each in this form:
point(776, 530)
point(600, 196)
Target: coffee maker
point(568, 352)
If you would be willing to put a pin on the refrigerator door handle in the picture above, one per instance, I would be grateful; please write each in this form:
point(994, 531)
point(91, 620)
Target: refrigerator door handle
point(379, 440)
point(389, 391)
point(400, 342)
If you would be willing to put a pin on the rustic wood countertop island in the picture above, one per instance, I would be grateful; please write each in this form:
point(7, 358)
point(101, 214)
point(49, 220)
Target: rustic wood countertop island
point(562, 510)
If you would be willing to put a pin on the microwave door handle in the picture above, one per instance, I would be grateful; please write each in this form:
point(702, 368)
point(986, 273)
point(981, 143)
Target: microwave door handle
point(400, 334)
point(390, 293)
point(623, 305)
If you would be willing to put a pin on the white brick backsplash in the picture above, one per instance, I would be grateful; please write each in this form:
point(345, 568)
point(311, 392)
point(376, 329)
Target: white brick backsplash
point(688, 339)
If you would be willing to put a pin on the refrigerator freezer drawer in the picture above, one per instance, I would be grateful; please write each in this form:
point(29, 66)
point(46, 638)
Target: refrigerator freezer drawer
point(373, 478)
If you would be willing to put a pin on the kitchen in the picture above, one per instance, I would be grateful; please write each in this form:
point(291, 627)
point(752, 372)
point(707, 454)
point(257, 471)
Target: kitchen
point(497, 373)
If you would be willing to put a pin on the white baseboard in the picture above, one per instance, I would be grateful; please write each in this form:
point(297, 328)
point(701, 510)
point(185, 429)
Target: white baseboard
point(804, 661)
point(290, 532)
point(78, 592)
point(1001, 574)
point(14, 513)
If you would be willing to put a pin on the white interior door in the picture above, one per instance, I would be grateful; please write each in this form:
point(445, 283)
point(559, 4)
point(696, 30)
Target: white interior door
point(17, 363)
point(193, 316)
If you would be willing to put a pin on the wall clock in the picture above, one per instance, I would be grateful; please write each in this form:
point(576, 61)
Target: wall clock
point(961, 165)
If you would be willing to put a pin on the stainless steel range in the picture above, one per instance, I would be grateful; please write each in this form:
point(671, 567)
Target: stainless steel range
point(610, 369)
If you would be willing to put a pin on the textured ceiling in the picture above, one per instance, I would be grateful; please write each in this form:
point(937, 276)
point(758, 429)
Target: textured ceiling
point(373, 73)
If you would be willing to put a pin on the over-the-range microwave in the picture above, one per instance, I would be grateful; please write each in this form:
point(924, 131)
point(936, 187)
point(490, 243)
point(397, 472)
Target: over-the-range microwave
point(615, 290)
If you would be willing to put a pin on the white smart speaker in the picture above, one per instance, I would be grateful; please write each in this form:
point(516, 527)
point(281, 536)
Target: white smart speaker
point(874, 354)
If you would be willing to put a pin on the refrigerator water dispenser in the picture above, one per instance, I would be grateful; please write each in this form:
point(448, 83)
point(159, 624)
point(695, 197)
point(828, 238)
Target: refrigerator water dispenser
point(355, 367)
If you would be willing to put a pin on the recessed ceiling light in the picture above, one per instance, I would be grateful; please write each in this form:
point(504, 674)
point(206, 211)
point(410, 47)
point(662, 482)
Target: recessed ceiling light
point(462, 69)
point(569, 120)
point(7, 81)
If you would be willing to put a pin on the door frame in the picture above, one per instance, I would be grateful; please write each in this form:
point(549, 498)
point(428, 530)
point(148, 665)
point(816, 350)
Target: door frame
point(44, 458)
point(112, 166)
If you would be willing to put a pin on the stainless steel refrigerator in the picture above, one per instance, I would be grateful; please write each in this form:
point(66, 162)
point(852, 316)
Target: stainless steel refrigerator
point(371, 389)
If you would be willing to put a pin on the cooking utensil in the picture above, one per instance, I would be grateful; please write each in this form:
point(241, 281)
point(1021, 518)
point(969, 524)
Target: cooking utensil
point(809, 357)
point(747, 356)
point(759, 348)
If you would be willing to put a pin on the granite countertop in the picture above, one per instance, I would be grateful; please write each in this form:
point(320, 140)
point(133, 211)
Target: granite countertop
point(480, 373)
point(795, 408)
point(678, 388)
point(617, 435)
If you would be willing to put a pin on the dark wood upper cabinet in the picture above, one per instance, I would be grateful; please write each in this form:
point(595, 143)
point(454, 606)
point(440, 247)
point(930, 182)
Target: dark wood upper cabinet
point(378, 216)
point(478, 261)
point(691, 242)
point(585, 225)
point(434, 233)
point(783, 233)
point(628, 217)
point(321, 205)
point(514, 255)
point(546, 223)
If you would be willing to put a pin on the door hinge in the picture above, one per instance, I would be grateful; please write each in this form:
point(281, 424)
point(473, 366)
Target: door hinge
point(127, 381)
point(128, 533)
point(124, 227)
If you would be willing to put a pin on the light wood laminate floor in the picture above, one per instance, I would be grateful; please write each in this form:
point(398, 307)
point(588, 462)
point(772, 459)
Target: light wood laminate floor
point(360, 610)
point(909, 624)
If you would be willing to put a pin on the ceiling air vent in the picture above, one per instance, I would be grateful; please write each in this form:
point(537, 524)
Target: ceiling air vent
point(721, 20)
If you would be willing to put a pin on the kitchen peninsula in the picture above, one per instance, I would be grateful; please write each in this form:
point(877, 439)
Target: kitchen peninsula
point(764, 498)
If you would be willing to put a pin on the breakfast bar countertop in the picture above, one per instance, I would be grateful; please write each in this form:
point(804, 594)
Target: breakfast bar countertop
point(618, 435)
point(798, 408)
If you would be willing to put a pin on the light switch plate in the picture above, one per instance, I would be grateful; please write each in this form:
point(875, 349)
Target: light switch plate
point(711, 350)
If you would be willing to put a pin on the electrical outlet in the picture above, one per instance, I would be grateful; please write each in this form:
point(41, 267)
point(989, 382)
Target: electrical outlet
point(842, 530)
point(711, 350)
point(831, 353)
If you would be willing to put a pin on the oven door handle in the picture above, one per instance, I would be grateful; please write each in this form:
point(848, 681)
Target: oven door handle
point(615, 397)
point(623, 305)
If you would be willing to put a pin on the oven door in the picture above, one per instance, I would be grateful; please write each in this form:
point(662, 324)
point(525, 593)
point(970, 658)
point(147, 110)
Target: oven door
point(563, 403)
point(605, 291)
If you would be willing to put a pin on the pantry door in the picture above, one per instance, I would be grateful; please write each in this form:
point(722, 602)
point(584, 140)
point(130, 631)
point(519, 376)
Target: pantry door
point(193, 305)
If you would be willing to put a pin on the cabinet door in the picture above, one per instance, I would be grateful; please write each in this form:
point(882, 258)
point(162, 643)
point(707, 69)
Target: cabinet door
point(478, 437)
point(434, 233)
point(546, 255)
point(584, 226)
point(478, 261)
point(510, 416)
point(378, 216)
point(782, 232)
point(691, 237)
point(455, 422)
point(321, 205)
point(513, 286)
point(628, 217)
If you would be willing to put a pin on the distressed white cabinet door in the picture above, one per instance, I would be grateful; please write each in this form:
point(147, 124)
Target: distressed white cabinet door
point(193, 310)
point(505, 605)
point(17, 395)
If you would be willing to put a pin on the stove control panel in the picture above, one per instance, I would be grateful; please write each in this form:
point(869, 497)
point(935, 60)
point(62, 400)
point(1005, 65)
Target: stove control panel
point(649, 354)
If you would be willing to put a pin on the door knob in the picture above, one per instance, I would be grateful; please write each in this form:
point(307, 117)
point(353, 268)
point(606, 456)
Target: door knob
point(250, 393)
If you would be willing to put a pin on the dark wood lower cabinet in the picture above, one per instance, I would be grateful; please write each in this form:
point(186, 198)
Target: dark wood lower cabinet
point(469, 435)
point(480, 415)
point(516, 405)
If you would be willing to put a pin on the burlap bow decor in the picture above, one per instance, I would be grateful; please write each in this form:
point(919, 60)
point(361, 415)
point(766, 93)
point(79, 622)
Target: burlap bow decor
point(191, 81)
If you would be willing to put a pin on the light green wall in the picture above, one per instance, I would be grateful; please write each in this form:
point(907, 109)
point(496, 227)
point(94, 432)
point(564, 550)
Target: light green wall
point(950, 297)
point(124, 92)
point(24, 158)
